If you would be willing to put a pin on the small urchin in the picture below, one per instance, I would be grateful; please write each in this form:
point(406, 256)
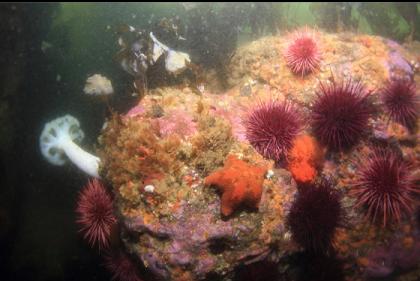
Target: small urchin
point(302, 54)
point(95, 214)
point(314, 216)
point(340, 113)
point(401, 101)
point(271, 126)
point(385, 186)
point(121, 266)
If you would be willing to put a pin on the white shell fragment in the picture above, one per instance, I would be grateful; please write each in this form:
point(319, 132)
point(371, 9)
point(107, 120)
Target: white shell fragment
point(149, 188)
point(98, 85)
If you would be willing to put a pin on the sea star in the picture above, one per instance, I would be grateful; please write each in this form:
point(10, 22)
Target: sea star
point(239, 183)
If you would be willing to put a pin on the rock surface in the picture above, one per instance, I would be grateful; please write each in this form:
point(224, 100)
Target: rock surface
point(178, 231)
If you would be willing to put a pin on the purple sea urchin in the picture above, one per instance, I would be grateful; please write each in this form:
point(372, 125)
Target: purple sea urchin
point(271, 128)
point(303, 55)
point(121, 267)
point(341, 113)
point(401, 102)
point(95, 213)
point(314, 216)
point(385, 186)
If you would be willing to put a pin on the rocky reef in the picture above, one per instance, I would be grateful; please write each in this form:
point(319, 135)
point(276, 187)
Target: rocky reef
point(196, 199)
point(161, 164)
point(372, 60)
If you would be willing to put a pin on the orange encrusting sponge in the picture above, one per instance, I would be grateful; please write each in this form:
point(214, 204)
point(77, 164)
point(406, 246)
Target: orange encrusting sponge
point(304, 158)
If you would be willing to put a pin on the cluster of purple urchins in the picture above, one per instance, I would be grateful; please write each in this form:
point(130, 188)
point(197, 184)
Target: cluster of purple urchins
point(340, 118)
point(314, 216)
point(97, 220)
point(341, 112)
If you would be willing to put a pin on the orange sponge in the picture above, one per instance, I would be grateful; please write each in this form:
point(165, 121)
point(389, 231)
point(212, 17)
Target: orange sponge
point(304, 158)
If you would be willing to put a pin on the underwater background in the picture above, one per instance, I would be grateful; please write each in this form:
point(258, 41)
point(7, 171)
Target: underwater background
point(48, 52)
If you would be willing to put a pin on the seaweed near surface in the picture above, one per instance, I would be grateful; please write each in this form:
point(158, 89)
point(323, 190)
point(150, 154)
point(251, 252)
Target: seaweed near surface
point(334, 16)
point(382, 18)
point(410, 14)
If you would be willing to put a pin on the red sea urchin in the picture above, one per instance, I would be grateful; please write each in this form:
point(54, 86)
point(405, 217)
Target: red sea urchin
point(385, 186)
point(314, 216)
point(303, 55)
point(95, 214)
point(401, 102)
point(271, 128)
point(340, 114)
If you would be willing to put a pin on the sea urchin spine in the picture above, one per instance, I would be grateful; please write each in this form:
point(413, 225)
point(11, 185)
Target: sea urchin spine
point(271, 128)
point(401, 102)
point(385, 186)
point(303, 55)
point(95, 213)
point(340, 114)
point(314, 216)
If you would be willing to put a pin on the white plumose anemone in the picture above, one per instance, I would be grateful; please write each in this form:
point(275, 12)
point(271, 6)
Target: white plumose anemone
point(58, 139)
point(98, 85)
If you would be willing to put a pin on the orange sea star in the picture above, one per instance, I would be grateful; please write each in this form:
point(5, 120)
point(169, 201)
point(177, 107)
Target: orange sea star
point(239, 183)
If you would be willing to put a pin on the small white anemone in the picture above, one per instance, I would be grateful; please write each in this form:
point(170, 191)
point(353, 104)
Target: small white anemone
point(98, 85)
point(58, 140)
point(270, 174)
point(149, 188)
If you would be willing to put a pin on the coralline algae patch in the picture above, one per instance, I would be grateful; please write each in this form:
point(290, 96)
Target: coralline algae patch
point(173, 219)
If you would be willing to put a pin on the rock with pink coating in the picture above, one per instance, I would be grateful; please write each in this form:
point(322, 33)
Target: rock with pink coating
point(177, 122)
point(399, 67)
point(194, 242)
